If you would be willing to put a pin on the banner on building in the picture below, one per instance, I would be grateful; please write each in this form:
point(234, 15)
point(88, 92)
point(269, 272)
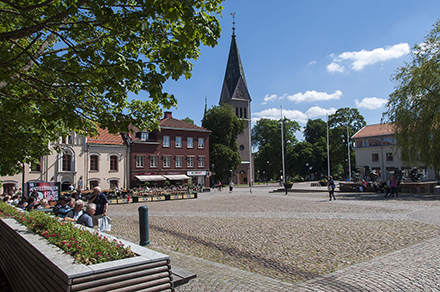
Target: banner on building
point(45, 190)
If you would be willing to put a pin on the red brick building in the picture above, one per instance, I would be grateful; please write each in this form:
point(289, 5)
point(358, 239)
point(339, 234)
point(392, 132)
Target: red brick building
point(178, 152)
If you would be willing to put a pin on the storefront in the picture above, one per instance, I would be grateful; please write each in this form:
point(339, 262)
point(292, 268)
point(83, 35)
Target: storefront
point(198, 177)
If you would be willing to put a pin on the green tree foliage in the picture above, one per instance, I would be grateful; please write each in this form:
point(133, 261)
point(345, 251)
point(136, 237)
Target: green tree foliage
point(69, 65)
point(309, 157)
point(413, 107)
point(342, 119)
point(266, 136)
point(188, 120)
point(315, 130)
point(223, 149)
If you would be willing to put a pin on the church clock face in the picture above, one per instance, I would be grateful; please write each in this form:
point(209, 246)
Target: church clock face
point(240, 94)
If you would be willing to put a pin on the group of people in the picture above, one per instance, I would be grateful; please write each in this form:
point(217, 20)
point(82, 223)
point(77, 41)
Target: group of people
point(69, 208)
point(389, 187)
point(28, 203)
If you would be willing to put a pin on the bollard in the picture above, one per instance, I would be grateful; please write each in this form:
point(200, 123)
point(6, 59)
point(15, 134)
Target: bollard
point(143, 225)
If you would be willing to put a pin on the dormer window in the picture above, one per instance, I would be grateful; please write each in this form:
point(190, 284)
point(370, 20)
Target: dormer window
point(144, 136)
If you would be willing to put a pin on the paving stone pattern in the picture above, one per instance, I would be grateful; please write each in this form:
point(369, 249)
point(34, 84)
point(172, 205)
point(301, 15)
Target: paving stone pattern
point(300, 242)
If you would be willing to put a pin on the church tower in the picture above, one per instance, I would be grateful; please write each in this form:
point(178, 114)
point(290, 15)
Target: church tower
point(235, 93)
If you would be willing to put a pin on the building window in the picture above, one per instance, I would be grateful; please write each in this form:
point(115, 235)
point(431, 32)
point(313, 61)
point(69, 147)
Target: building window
point(36, 166)
point(178, 161)
point(201, 143)
point(140, 161)
point(70, 139)
point(114, 162)
point(390, 156)
point(201, 161)
point(375, 157)
point(153, 161)
point(94, 162)
point(144, 136)
point(245, 113)
point(236, 111)
point(93, 184)
point(365, 143)
point(67, 162)
point(189, 142)
point(190, 161)
point(166, 141)
point(178, 142)
point(113, 184)
point(166, 161)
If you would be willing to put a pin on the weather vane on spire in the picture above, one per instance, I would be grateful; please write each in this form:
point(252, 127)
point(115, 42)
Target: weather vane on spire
point(233, 23)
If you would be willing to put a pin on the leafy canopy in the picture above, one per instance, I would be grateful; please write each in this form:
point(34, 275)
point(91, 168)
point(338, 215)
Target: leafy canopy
point(413, 107)
point(223, 149)
point(69, 66)
point(266, 135)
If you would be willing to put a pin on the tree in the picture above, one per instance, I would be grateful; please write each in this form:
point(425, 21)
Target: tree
point(339, 122)
point(188, 120)
point(266, 136)
point(315, 130)
point(223, 150)
point(69, 65)
point(413, 107)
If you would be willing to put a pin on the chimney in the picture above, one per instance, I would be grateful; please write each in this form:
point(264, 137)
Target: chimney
point(168, 115)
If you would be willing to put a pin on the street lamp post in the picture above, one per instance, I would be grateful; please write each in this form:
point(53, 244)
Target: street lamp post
point(212, 174)
point(267, 173)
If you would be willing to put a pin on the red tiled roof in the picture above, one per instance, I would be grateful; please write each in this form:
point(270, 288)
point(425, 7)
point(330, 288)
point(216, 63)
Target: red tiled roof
point(170, 122)
point(374, 131)
point(104, 137)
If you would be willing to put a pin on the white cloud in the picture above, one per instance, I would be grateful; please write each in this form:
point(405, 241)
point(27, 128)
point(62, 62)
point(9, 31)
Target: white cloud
point(358, 60)
point(316, 112)
point(312, 96)
point(295, 115)
point(335, 67)
point(271, 97)
point(312, 63)
point(371, 103)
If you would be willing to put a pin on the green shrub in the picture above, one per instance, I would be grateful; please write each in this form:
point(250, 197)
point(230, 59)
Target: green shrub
point(86, 247)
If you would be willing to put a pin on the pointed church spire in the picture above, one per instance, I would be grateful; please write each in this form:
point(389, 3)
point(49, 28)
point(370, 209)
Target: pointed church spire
point(234, 84)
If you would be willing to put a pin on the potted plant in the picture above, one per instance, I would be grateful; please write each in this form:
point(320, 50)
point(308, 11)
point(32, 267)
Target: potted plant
point(323, 182)
point(288, 184)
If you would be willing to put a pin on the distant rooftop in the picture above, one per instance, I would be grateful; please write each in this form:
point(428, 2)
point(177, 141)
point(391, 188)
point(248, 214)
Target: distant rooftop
point(374, 131)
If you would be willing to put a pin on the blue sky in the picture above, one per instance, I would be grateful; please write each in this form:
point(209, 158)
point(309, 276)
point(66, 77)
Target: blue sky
point(310, 57)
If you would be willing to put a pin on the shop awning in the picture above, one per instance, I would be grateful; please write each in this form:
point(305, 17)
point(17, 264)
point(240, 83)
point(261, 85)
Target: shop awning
point(150, 177)
point(176, 176)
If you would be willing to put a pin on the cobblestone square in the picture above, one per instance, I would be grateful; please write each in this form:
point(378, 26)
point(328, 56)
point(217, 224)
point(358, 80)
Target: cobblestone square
point(300, 242)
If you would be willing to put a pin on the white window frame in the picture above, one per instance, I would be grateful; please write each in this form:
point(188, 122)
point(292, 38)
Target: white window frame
point(153, 161)
point(179, 161)
point(166, 141)
point(190, 142)
point(201, 161)
point(178, 142)
point(202, 144)
point(140, 161)
point(144, 136)
point(190, 161)
point(166, 161)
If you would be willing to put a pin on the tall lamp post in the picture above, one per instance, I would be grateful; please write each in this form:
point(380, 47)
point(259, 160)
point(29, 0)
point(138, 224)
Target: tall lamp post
point(267, 173)
point(212, 174)
point(348, 147)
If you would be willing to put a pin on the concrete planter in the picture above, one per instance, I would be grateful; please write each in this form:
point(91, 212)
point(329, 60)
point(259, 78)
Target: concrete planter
point(32, 264)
